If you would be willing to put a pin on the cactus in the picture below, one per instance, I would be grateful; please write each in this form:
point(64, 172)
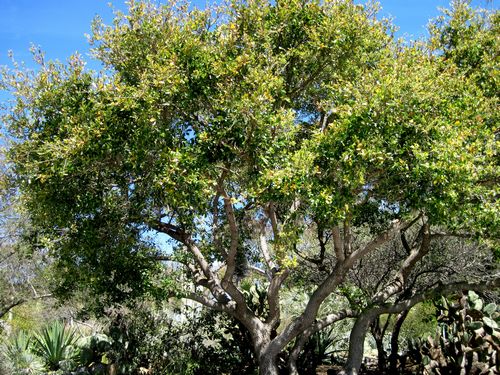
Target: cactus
point(468, 338)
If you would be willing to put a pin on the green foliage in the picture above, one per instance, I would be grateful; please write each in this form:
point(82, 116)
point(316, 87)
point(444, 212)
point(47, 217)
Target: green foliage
point(219, 345)
point(355, 295)
point(192, 342)
point(468, 37)
point(468, 337)
point(323, 347)
point(23, 272)
point(56, 345)
point(207, 125)
point(137, 337)
point(420, 322)
point(56, 349)
point(317, 104)
point(93, 349)
point(27, 317)
point(16, 357)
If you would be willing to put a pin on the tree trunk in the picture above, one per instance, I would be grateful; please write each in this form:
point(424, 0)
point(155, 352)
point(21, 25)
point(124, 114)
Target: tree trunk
point(382, 355)
point(294, 354)
point(356, 343)
point(378, 334)
point(393, 358)
point(266, 356)
point(268, 365)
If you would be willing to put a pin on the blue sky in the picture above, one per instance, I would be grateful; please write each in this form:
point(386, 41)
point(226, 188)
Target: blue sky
point(58, 26)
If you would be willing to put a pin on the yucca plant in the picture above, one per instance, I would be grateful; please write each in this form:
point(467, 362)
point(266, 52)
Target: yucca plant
point(56, 345)
point(16, 357)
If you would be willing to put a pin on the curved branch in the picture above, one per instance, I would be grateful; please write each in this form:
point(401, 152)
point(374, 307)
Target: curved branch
point(409, 263)
point(257, 270)
point(213, 282)
point(5, 309)
point(234, 234)
point(374, 243)
point(203, 300)
point(325, 289)
point(337, 244)
point(273, 296)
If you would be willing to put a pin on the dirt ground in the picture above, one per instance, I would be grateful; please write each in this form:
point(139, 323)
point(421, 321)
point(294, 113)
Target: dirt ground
point(323, 370)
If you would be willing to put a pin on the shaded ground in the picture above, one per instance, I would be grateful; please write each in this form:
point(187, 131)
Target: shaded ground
point(323, 370)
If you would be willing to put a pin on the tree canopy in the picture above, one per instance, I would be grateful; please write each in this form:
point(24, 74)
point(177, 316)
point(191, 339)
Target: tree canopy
point(236, 131)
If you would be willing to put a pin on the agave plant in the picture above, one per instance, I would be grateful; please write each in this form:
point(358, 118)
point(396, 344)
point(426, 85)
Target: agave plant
point(16, 357)
point(56, 345)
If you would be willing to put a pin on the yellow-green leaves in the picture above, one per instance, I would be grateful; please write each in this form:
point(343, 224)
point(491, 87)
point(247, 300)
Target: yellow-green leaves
point(310, 105)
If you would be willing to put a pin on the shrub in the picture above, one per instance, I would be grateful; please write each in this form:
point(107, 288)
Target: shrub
point(192, 341)
point(16, 357)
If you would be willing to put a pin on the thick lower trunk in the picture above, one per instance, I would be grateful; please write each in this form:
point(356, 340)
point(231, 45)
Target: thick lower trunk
point(294, 354)
point(267, 358)
point(356, 344)
point(292, 361)
point(292, 368)
point(268, 365)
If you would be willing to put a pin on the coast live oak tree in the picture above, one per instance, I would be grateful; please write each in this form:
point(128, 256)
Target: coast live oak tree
point(233, 132)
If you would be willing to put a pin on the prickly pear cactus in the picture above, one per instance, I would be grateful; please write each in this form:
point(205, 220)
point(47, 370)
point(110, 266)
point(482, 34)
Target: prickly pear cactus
point(468, 341)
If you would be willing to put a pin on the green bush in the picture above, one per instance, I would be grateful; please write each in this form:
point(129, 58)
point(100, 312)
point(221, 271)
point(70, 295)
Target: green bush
point(190, 341)
point(94, 349)
point(16, 357)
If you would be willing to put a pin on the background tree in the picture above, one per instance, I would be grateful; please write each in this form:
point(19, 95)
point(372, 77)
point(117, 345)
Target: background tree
point(231, 131)
point(23, 275)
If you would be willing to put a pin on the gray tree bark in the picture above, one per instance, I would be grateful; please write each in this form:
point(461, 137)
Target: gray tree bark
point(268, 365)
point(357, 341)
